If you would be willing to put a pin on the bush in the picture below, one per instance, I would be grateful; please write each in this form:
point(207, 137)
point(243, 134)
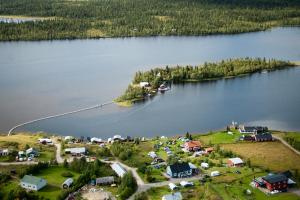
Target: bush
point(67, 174)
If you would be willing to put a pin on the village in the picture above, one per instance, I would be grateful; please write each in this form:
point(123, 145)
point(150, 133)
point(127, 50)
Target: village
point(188, 166)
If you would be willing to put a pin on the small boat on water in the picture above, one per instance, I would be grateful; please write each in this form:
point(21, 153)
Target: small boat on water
point(163, 88)
point(264, 71)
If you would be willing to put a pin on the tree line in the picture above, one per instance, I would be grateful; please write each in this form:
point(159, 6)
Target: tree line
point(115, 18)
point(207, 71)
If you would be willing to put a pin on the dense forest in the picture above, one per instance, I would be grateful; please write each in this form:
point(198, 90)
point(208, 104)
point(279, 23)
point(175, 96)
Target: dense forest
point(72, 19)
point(207, 71)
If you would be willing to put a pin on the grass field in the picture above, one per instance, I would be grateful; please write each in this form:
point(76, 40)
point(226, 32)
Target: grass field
point(219, 137)
point(272, 155)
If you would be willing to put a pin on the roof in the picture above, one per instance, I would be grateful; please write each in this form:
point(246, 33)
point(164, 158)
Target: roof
point(76, 150)
point(192, 166)
point(118, 169)
point(255, 129)
point(107, 179)
point(173, 196)
point(172, 186)
point(236, 161)
point(33, 180)
point(193, 144)
point(274, 178)
point(94, 139)
point(31, 150)
point(179, 167)
point(68, 181)
point(263, 136)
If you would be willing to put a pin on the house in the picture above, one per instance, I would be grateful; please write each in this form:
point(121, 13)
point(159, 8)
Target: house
point(172, 186)
point(4, 152)
point(247, 138)
point(68, 182)
point(96, 140)
point(192, 145)
point(276, 182)
point(76, 151)
point(253, 129)
point(194, 169)
point(144, 84)
point(69, 138)
point(215, 173)
point(263, 137)
point(235, 162)
point(117, 138)
point(32, 183)
point(152, 154)
point(205, 165)
point(120, 171)
point(179, 170)
point(186, 183)
point(209, 150)
point(45, 141)
point(173, 196)
point(31, 152)
point(105, 180)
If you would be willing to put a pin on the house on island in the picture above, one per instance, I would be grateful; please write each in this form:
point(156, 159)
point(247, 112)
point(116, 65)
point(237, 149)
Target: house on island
point(276, 182)
point(120, 171)
point(253, 129)
point(235, 162)
point(172, 196)
point(105, 180)
point(179, 170)
point(32, 183)
point(192, 145)
point(68, 182)
point(76, 151)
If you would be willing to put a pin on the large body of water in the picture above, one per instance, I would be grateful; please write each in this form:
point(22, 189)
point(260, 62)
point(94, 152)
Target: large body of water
point(50, 77)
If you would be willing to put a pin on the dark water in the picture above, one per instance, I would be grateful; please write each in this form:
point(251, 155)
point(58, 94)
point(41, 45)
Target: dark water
point(43, 78)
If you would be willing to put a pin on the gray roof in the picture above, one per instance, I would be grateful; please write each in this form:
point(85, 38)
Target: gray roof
point(118, 169)
point(107, 179)
point(32, 179)
point(68, 182)
point(173, 196)
point(274, 178)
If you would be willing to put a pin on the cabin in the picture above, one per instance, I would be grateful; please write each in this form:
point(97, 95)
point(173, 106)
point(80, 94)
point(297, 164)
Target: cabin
point(68, 182)
point(263, 137)
point(179, 170)
point(276, 182)
point(105, 180)
point(120, 171)
point(31, 152)
point(96, 140)
point(172, 196)
point(4, 152)
point(253, 129)
point(235, 162)
point(192, 145)
point(76, 151)
point(45, 141)
point(32, 183)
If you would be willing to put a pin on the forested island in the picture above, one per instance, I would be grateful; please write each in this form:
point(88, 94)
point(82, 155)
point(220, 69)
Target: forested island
point(65, 19)
point(208, 71)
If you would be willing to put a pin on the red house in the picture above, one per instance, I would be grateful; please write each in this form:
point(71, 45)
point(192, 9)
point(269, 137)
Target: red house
point(235, 162)
point(192, 145)
point(276, 182)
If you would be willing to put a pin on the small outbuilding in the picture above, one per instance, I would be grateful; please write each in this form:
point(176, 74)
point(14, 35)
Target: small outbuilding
point(68, 182)
point(215, 173)
point(105, 180)
point(173, 196)
point(172, 186)
point(120, 171)
point(235, 162)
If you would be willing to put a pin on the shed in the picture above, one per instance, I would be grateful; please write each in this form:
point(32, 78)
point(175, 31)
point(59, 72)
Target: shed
point(235, 162)
point(118, 169)
point(68, 182)
point(105, 180)
point(215, 173)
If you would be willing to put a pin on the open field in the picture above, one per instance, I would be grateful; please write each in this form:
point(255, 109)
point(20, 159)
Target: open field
point(272, 155)
point(219, 137)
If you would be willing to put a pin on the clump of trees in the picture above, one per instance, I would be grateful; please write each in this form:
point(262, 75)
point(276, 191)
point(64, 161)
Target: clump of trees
point(128, 186)
point(294, 142)
point(207, 71)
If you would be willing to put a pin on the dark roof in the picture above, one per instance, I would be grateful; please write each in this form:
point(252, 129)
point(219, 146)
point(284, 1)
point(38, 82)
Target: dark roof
point(260, 129)
point(287, 174)
point(274, 178)
point(263, 136)
point(180, 167)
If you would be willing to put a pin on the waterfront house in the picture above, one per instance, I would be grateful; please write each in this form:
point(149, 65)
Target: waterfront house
point(276, 182)
point(192, 145)
point(32, 183)
point(76, 151)
point(68, 182)
point(120, 171)
point(235, 162)
point(105, 180)
point(179, 170)
point(32, 152)
point(172, 196)
point(4, 152)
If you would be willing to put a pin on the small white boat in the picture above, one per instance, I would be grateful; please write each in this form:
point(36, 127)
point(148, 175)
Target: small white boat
point(163, 88)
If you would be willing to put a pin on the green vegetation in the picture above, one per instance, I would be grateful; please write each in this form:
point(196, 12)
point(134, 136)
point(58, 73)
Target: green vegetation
point(128, 186)
point(293, 139)
point(93, 19)
point(207, 71)
point(219, 137)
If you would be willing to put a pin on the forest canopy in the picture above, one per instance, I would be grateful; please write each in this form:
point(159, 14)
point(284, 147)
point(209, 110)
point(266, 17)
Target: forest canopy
point(71, 19)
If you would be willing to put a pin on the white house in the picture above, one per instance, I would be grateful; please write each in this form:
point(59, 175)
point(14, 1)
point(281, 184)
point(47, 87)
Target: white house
point(204, 165)
point(173, 186)
point(152, 154)
point(144, 84)
point(32, 183)
point(215, 173)
point(173, 196)
point(76, 151)
point(4, 152)
point(69, 138)
point(186, 183)
point(96, 140)
point(45, 140)
point(118, 169)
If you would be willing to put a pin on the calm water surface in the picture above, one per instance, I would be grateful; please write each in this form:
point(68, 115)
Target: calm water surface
point(43, 78)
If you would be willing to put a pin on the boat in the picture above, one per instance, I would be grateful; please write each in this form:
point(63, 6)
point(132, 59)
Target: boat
point(163, 88)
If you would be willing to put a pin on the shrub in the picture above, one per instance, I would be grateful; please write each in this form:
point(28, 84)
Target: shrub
point(67, 174)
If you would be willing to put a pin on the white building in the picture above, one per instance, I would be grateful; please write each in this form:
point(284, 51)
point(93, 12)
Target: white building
point(69, 138)
point(215, 173)
point(4, 152)
point(32, 183)
point(172, 186)
point(186, 183)
point(118, 169)
point(45, 140)
point(204, 165)
point(76, 151)
point(144, 84)
point(235, 162)
point(173, 196)
point(96, 140)
point(152, 154)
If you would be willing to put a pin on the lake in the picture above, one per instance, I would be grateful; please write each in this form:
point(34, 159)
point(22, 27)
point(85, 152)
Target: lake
point(38, 79)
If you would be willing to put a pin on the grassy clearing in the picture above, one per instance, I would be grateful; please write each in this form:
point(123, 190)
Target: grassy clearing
point(221, 137)
point(272, 155)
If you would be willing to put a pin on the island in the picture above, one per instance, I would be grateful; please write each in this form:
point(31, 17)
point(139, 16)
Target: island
point(147, 84)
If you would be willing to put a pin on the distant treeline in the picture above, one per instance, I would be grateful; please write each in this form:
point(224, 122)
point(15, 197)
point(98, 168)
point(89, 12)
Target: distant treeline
point(100, 18)
point(207, 71)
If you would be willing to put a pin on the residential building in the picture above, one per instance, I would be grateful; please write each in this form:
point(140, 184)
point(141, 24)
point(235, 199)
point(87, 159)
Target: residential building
point(4, 152)
point(105, 180)
point(263, 137)
point(192, 145)
point(76, 151)
point(45, 141)
point(235, 162)
point(32, 183)
point(173, 196)
point(96, 140)
point(253, 129)
point(120, 171)
point(179, 170)
point(173, 186)
point(32, 152)
point(276, 182)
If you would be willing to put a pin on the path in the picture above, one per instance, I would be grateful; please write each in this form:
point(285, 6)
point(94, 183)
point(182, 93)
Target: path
point(286, 144)
point(18, 163)
point(58, 115)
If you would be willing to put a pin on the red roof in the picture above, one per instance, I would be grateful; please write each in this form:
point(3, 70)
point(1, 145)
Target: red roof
point(193, 144)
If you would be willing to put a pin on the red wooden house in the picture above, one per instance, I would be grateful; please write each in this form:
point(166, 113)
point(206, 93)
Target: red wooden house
point(192, 145)
point(276, 182)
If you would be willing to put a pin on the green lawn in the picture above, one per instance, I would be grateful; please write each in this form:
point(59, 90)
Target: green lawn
point(219, 137)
